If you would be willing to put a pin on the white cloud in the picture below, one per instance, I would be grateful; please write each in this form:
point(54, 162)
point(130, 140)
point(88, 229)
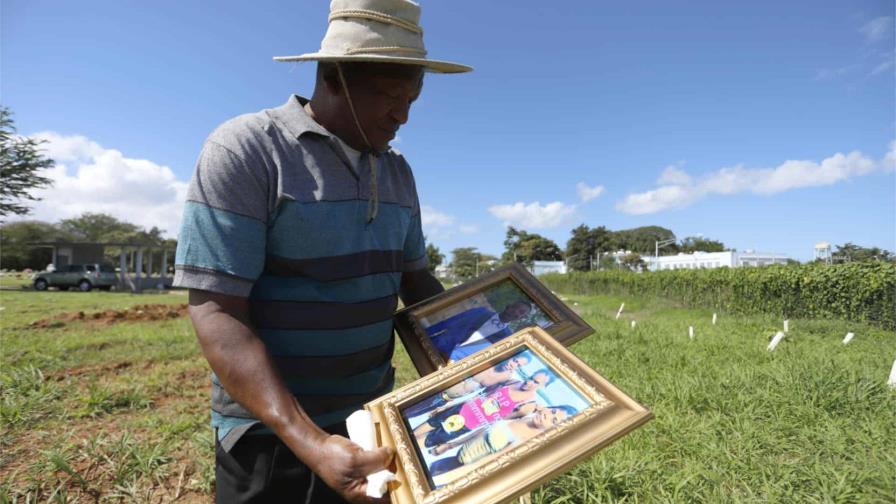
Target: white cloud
point(673, 175)
point(678, 189)
point(433, 218)
point(90, 178)
point(889, 162)
point(663, 198)
point(883, 67)
point(833, 73)
point(534, 215)
point(587, 193)
point(439, 225)
point(877, 29)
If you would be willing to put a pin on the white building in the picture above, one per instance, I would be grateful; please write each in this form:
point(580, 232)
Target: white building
point(542, 267)
point(698, 260)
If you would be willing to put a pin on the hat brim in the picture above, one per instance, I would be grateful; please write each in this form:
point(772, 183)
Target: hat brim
point(428, 64)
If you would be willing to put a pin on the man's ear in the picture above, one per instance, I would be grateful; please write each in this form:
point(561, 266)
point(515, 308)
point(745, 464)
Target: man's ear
point(334, 87)
point(330, 78)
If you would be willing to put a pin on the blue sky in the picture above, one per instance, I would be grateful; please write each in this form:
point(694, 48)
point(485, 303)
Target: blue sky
point(766, 125)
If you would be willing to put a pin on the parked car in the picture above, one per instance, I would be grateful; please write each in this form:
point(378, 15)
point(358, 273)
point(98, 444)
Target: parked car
point(82, 276)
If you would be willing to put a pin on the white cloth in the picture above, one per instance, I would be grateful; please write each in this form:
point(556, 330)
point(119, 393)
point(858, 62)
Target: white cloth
point(361, 430)
point(491, 326)
point(353, 155)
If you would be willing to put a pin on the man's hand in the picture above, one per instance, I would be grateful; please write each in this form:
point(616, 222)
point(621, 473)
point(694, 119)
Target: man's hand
point(344, 466)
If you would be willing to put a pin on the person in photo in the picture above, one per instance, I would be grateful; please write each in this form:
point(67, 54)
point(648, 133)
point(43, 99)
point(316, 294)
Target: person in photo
point(504, 372)
point(494, 438)
point(478, 327)
point(504, 401)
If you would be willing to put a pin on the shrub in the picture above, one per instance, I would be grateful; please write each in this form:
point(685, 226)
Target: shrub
point(860, 292)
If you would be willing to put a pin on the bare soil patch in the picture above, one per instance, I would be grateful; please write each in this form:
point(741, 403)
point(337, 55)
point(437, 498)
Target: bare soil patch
point(138, 313)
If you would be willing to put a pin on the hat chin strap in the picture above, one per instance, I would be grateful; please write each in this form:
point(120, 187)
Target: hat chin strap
point(373, 205)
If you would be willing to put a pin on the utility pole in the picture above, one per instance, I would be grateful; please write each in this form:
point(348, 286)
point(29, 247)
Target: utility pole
point(659, 244)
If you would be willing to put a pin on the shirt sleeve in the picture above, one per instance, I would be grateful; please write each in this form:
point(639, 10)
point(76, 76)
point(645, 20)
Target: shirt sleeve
point(221, 245)
point(414, 245)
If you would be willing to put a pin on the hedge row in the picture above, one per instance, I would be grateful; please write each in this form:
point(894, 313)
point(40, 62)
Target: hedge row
point(861, 292)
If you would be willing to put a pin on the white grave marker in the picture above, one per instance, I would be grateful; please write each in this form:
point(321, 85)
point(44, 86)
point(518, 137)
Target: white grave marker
point(633, 324)
point(777, 339)
point(619, 313)
point(691, 332)
point(892, 381)
point(848, 338)
point(786, 325)
point(714, 318)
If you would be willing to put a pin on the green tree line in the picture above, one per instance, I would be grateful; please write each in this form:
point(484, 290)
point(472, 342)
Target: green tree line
point(18, 238)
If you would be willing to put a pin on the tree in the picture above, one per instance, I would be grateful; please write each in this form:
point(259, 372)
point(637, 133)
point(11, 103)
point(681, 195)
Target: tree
point(585, 245)
point(850, 252)
point(633, 262)
point(17, 237)
point(643, 239)
point(467, 262)
point(20, 164)
point(699, 244)
point(434, 256)
point(523, 247)
point(100, 227)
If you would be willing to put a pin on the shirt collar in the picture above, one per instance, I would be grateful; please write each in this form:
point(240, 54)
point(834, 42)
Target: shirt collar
point(292, 116)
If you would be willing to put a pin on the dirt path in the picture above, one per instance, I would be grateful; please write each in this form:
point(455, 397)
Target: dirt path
point(139, 313)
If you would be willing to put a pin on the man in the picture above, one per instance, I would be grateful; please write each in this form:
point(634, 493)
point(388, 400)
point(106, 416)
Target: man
point(471, 330)
point(300, 230)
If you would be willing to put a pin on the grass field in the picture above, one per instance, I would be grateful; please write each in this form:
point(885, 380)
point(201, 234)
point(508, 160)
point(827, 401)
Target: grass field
point(115, 408)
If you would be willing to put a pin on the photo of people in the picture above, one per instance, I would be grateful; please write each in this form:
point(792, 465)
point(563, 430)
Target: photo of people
point(487, 413)
point(482, 320)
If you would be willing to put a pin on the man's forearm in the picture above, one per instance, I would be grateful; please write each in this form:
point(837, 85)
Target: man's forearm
point(247, 371)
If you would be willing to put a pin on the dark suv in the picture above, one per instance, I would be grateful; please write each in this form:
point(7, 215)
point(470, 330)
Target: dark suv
point(82, 276)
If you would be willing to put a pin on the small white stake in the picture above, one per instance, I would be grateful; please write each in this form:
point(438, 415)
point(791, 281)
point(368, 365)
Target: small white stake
point(714, 318)
point(892, 381)
point(575, 304)
point(633, 324)
point(848, 338)
point(777, 339)
point(786, 325)
point(691, 332)
point(619, 313)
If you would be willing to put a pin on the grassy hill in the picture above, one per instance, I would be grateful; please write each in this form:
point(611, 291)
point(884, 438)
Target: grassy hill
point(102, 402)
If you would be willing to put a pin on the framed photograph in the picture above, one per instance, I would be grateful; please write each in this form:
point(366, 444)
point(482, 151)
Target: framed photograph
point(470, 317)
point(493, 426)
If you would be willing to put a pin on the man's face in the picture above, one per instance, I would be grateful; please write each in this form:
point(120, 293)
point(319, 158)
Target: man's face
point(515, 362)
point(535, 382)
point(515, 311)
point(383, 101)
point(549, 417)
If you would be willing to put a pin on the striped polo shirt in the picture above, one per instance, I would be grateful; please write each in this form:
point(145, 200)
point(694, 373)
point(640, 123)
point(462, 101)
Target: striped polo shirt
point(275, 212)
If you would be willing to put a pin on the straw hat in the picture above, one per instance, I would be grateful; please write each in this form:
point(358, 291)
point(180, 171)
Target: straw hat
point(383, 31)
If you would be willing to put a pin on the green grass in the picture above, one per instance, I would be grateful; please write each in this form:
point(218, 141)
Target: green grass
point(120, 412)
point(812, 421)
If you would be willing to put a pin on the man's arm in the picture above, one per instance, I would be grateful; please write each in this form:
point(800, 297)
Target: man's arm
point(418, 285)
point(247, 371)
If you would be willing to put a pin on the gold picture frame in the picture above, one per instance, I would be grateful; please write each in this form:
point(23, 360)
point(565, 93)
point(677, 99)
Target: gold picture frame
point(411, 323)
point(607, 414)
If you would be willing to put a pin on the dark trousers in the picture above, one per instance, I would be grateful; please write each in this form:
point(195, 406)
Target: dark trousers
point(262, 469)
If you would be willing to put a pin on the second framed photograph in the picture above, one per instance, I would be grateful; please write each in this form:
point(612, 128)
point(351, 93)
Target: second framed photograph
point(499, 423)
point(473, 316)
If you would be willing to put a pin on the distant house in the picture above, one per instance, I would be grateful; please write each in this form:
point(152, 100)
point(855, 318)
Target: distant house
point(137, 266)
point(542, 267)
point(700, 260)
